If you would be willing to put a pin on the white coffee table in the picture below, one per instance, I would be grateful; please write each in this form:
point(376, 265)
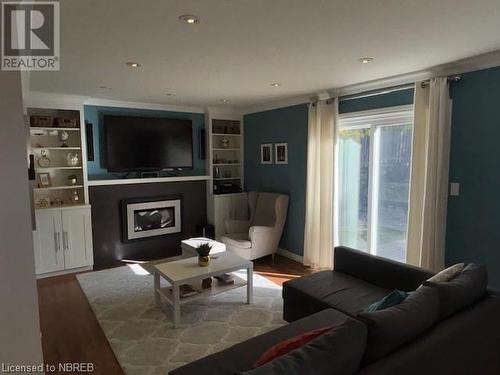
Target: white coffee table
point(189, 246)
point(187, 271)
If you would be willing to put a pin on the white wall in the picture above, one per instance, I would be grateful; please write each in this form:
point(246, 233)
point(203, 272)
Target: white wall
point(19, 321)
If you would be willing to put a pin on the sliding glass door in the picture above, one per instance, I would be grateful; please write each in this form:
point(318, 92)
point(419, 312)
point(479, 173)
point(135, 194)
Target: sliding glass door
point(373, 177)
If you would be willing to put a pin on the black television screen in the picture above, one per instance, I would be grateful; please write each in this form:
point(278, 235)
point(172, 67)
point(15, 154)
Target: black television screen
point(142, 143)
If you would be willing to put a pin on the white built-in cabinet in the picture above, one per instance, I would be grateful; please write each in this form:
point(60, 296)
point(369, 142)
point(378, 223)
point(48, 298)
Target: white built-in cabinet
point(225, 165)
point(62, 239)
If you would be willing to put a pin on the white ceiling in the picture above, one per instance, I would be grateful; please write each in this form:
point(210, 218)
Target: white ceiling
point(241, 46)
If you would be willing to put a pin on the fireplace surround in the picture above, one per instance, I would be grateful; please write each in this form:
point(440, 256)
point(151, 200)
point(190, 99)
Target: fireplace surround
point(107, 221)
point(148, 217)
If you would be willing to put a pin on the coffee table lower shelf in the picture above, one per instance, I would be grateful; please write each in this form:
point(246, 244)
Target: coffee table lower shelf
point(216, 288)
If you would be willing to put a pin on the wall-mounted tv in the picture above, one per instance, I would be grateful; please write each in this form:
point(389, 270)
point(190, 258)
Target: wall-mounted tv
point(144, 143)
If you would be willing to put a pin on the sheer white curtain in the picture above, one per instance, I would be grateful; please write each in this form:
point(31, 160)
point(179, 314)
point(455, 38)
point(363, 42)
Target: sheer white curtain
point(319, 227)
point(429, 178)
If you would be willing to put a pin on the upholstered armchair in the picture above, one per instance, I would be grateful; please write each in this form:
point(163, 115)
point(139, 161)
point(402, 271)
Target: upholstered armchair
point(260, 235)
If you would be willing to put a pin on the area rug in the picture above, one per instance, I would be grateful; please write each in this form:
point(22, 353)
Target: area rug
point(142, 336)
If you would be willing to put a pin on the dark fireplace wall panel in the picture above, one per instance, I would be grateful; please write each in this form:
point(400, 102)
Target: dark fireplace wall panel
point(109, 248)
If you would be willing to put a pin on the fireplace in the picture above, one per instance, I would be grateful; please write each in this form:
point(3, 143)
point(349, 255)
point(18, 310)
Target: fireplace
point(150, 217)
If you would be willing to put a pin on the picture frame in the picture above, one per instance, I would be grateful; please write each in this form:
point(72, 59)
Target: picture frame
point(44, 180)
point(281, 153)
point(266, 153)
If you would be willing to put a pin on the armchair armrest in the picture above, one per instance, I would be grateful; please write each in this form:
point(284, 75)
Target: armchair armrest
point(259, 229)
point(262, 237)
point(236, 226)
point(379, 271)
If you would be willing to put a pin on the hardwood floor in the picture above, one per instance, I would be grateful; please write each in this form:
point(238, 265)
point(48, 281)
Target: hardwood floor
point(71, 333)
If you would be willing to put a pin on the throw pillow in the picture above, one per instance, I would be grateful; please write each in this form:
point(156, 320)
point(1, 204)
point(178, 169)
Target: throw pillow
point(390, 328)
point(290, 344)
point(461, 291)
point(338, 352)
point(392, 299)
point(447, 274)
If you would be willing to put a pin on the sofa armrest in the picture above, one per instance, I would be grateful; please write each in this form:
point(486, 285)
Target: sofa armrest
point(379, 271)
point(236, 226)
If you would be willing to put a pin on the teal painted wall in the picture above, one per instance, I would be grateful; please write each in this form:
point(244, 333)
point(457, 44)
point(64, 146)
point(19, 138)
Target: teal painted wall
point(289, 125)
point(95, 115)
point(280, 125)
point(391, 99)
point(473, 228)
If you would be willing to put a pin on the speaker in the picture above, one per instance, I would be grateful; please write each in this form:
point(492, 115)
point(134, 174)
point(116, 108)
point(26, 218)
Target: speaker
point(89, 133)
point(202, 142)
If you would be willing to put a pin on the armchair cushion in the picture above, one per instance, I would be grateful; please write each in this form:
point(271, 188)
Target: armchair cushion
point(265, 209)
point(236, 226)
point(240, 240)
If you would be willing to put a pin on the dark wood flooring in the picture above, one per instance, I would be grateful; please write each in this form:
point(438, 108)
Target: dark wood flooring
point(71, 333)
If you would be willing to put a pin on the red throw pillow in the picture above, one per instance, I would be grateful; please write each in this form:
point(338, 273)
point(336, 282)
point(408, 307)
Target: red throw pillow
point(290, 344)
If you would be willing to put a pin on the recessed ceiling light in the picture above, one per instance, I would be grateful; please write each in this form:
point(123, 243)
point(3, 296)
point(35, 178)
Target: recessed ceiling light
point(365, 60)
point(170, 94)
point(276, 84)
point(224, 100)
point(132, 64)
point(189, 19)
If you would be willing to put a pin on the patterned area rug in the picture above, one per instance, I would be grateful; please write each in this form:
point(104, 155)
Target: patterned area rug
point(142, 336)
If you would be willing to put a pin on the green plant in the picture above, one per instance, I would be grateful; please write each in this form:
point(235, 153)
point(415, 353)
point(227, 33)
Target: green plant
point(203, 249)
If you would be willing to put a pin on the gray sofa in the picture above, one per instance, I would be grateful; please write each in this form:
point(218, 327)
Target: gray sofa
point(424, 341)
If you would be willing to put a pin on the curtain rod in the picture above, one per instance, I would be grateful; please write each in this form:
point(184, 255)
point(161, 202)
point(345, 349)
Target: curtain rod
point(377, 92)
point(450, 79)
point(454, 78)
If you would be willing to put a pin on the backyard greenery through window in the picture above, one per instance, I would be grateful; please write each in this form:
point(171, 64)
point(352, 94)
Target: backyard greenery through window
point(373, 180)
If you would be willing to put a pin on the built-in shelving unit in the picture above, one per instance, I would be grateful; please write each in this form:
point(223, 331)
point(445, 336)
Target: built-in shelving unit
point(226, 154)
point(225, 162)
point(58, 157)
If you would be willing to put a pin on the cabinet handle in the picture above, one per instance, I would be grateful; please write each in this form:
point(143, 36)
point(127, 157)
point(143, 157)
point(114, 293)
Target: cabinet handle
point(56, 241)
point(65, 240)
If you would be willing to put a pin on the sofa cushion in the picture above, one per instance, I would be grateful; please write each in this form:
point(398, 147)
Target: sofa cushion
point(237, 239)
point(390, 328)
point(392, 299)
point(447, 274)
point(242, 356)
point(290, 344)
point(332, 289)
point(338, 352)
point(461, 291)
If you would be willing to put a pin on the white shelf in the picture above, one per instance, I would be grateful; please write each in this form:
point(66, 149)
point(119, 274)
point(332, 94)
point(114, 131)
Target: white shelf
point(56, 148)
point(228, 135)
point(226, 149)
point(222, 164)
point(34, 128)
point(125, 181)
point(59, 187)
point(216, 288)
point(55, 168)
point(66, 206)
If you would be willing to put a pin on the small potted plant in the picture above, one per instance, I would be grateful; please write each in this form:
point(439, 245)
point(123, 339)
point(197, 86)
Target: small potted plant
point(203, 251)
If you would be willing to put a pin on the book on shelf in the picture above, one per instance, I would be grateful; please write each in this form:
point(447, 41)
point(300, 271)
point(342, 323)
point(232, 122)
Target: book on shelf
point(187, 290)
point(225, 279)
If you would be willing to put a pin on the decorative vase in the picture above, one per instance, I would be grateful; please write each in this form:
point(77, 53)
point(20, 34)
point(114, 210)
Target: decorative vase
point(224, 142)
point(204, 261)
point(73, 159)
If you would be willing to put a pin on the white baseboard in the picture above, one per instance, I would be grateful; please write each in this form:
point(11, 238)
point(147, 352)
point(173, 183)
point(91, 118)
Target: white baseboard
point(64, 272)
point(288, 254)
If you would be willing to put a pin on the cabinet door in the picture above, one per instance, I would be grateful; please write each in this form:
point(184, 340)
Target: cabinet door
point(77, 237)
point(49, 255)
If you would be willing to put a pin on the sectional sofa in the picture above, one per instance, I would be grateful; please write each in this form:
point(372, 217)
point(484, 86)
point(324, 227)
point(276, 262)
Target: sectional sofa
point(441, 328)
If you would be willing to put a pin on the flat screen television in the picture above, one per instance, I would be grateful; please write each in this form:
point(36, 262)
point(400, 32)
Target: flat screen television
point(144, 143)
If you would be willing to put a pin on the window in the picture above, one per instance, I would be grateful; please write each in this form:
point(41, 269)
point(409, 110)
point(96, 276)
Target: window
point(373, 174)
